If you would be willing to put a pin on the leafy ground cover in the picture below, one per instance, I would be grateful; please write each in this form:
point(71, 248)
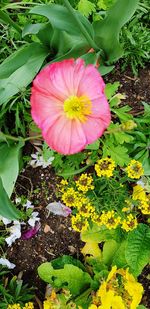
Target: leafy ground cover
point(74, 226)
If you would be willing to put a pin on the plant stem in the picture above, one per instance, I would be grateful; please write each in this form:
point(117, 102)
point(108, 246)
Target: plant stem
point(5, 17)
point(80, 25)
point(17, 139)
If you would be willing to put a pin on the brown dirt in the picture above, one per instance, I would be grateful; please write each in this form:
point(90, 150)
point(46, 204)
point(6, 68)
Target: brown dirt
point(39, 186)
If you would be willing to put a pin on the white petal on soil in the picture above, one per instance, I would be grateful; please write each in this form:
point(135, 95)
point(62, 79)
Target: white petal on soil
point(5, 220)
point(57, 208)
point(34, 218)
point(15, 233)
point(6, 262)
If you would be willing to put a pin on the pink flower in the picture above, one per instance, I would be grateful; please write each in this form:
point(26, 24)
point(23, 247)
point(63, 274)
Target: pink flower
point(69, 105)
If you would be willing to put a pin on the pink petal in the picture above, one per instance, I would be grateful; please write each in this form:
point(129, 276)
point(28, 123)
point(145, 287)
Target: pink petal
point(66, 136)
point(94, 128)
point(43, 106)
point(100, 109)
point(91, 83)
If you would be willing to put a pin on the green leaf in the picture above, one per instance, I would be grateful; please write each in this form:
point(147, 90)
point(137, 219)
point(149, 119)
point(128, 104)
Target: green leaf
point(138, 248)
point(9, 165)
point(111, 89)
point(69, 277)
point(122, 112)
point(18, 70)
point(117, 153)
point(7, 209)
point(61, 19)
point(86, 7)
point(98, 234)
point(32, 29)
point(119, 257)
point(107, 30)
point(94, 146)
point(109, 249)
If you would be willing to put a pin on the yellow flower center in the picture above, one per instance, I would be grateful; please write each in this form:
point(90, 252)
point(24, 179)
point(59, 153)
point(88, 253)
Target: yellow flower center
point(77, 107)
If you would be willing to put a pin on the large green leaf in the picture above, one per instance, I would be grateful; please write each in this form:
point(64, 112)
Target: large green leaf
point(138, 248)
point(98, 234)
point(69, 277)
point(107, 30)
point(9, 165)
point(18, 70)
point(7, 209)
point(61, 19)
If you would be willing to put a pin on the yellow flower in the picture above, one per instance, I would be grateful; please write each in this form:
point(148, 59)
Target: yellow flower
point(84, 183)
point(128, 125)
point(138, 193)
point(144, 205)
point(28, 306)
point(105, 167)
point(47, 304)
point(92, 306)
point(70, 197)
point(110, 220)
point(129, 223)
point(79, 223)
point(134, 169)
point(84, 207)
point(14, 306)
point(134, 289)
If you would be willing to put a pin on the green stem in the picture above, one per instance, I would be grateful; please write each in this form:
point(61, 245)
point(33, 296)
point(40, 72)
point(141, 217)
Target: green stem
point(17, 139)
point(80, 25)
point(5, 17)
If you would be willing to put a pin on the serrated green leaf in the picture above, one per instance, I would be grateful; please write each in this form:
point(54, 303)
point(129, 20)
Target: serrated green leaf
point(122, 113)
point(19, 69)
point(93, 146)
point(111, 89)
point(86, 7)
point(138, 248)
point(117, 153)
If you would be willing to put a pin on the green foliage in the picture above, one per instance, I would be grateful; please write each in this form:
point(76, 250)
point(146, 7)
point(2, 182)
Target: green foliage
point(107, 30)
point(7, 209)
point(8, 171)
point(70, 277)
point(136, 45)
point(19, 69)
point(105, 4)
point(15, 291)
point(138, 248)
point(86, 7)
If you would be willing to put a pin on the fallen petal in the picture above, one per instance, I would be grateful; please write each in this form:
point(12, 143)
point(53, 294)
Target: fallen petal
point(31, 232)
point(57, 208)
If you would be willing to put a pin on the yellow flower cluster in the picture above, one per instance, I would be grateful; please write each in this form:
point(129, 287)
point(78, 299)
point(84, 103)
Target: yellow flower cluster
point(143, 199)
point(114, 294)
point(134, 169)
point(109, 219)
point(62, 185)
point(105, 167)
point(84, 183)
point(79, 223)
point(28, 305)
point(70, 197)
point(129, 223)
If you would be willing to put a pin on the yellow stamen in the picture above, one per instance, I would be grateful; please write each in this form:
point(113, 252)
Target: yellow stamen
point(77, 107)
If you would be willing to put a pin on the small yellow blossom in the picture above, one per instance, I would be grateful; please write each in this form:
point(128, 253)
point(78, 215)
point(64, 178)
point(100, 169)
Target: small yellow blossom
point(70, 197)
point(84, 183)
point(144, 205)
point(128, 125)
point(79, 223)
point(134, 169)
point(62, 185)
point(129, 223)
point(105, 167)
point(29, 305)
point(84, 207)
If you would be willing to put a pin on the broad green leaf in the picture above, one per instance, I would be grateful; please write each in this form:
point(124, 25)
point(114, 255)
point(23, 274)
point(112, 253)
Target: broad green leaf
point(69, 277)
point(98, 234)
point(138, 248)
point(18, 70)
point(61, 19)
point(109, 249)
point(107, 30)
point(103, 69)
point(119, 257)
point(9, 165)
point(32, 29)
point(122, 112)
point(7, 209)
